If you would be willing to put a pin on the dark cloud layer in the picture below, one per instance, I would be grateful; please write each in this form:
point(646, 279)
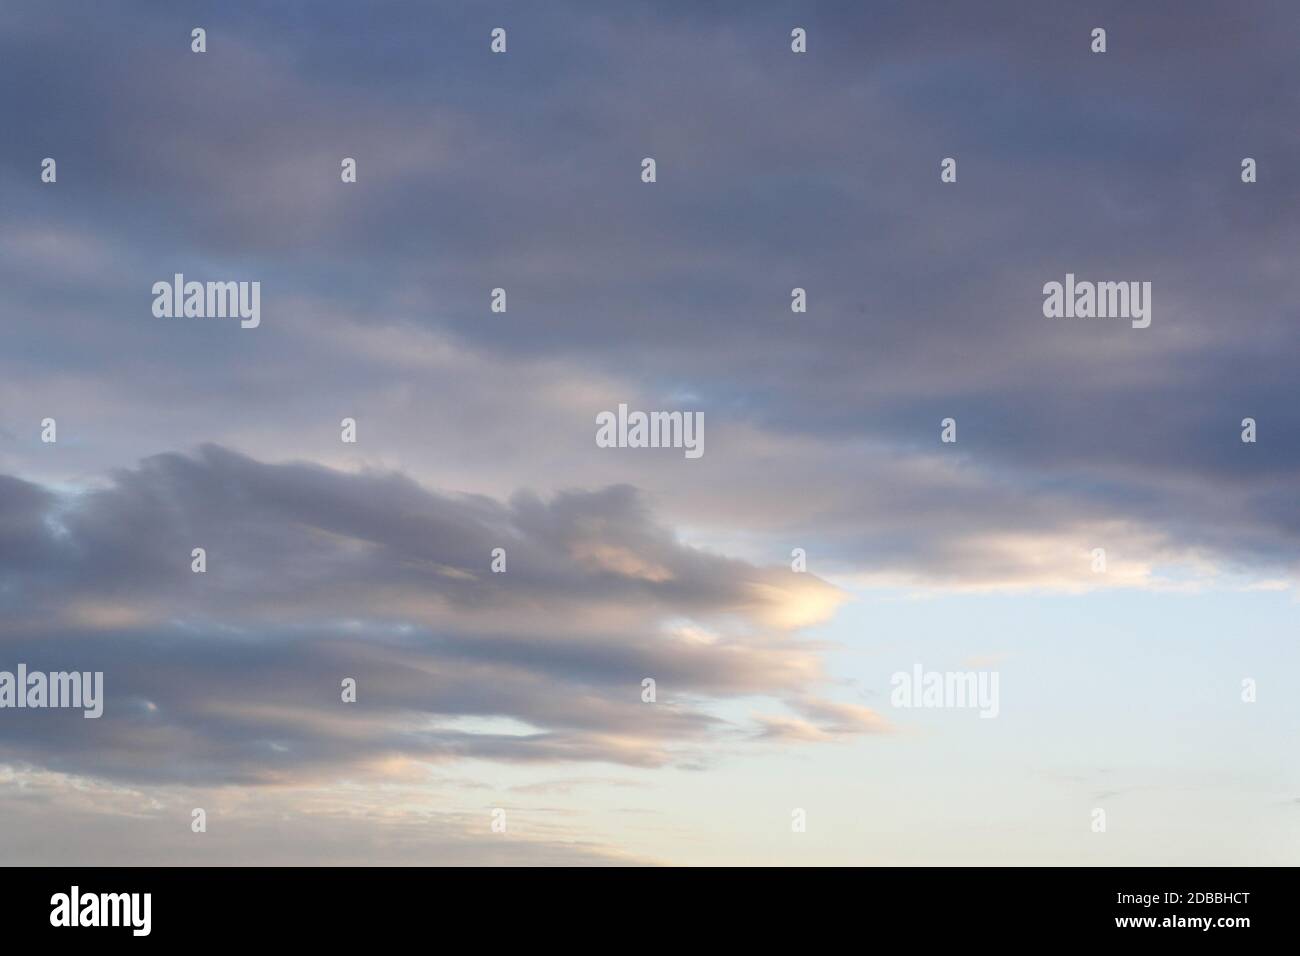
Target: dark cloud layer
point(775, 171)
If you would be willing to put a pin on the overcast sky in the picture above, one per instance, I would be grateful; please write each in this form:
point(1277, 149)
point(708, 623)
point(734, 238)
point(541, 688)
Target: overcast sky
point(522, 691)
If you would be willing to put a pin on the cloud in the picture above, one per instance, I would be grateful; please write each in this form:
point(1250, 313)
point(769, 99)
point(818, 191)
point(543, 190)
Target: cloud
point(314, 575)
point(821, 721)
point(62, 820)
point(376, 295)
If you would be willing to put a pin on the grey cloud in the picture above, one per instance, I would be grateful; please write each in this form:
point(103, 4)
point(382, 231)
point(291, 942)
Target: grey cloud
point(315, 575)
point(776, 171)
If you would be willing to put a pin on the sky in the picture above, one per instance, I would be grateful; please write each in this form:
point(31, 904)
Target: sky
point(1147, 713)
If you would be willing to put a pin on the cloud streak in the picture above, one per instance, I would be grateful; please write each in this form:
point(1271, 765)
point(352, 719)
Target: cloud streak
point(315, 575)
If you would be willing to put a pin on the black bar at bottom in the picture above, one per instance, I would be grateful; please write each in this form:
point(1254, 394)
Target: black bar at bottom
point(659, 908)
